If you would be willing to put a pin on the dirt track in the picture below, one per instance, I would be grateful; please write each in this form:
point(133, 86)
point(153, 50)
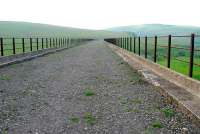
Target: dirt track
point(48, 95)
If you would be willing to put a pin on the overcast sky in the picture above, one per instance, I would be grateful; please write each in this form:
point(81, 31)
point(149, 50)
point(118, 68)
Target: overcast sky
point(100, 14)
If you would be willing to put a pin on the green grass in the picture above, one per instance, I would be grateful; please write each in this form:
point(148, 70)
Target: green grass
point(157, 124)
point(182, 67)
point(136, 101)
point(168, 112)
point(89, 118)
point(5, 77)
point(74, 119)
point(89, 92)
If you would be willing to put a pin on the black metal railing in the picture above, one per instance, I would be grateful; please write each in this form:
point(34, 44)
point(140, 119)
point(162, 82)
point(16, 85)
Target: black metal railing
point(180, 53)
point(12, 46)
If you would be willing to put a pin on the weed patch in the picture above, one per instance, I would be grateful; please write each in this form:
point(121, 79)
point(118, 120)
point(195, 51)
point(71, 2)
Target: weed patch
point(89, 118)
point(89, 92)
point(5, 77)
point(168, 112)
point(136, 101)
point(74, 119)
point(157, 124)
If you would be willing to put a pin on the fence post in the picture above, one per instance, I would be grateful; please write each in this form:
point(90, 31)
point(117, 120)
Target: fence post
point(37, 43)
point(53, 45)
point(155, 50)
point(131, 44)
point(13, 41)
point(46, 42)
point(23, 45)
point(126, 46)
point(169, 51)
point(191, 55)
point(1, 43)
point(121, 42)
point(42, 43)
point(145, 47)
point(134, 45)
point(65, 41)
point(31, 45)
point(50, 42)
point(56, 42)
point(126, 43)
point(139, 45)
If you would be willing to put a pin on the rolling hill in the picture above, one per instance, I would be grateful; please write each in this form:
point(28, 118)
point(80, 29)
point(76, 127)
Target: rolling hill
point(26, 29)
point(157, 29)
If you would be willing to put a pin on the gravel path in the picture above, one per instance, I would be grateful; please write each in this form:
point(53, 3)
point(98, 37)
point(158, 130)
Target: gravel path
point(83, 90)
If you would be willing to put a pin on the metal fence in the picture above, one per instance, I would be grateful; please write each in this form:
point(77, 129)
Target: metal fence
point(12, 46)
point(180, 53)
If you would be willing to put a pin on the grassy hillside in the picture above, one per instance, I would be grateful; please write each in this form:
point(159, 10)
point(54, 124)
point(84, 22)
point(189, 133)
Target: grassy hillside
point(157, 29)
point(25, 29)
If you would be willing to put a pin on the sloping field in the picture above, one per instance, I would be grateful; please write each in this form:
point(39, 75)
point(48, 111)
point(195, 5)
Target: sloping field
point(25, 29)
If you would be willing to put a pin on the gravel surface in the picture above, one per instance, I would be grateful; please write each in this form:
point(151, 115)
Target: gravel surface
point(83, 90)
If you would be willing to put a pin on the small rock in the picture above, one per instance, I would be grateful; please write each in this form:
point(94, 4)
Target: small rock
point(184, 131)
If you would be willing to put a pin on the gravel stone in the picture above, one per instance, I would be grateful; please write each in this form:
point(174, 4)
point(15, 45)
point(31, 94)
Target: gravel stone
point(42, 95)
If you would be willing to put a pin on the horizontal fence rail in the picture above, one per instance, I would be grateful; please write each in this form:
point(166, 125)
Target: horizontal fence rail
point(180, 53)
point(12, 46)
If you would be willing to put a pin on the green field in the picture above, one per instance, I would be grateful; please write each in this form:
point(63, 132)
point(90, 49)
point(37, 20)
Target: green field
point(151, 30)
point(179, 66)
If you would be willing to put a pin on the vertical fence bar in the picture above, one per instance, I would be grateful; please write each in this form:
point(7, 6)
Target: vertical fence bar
point(1, 44)
point(121, 42)
point(37, 43)
point(42, 43)
point(155, 49)
point(56, 42)
point(23, 45)
point(67, 42)
point(191, 55)
point(169, 51)
point(145, 47)
point(139, 45)
point(31, 44)
point(50, 42)
point(46, 42)
point(134, 45)
point(127, 42)
point(13, 42)
point(131, 44)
